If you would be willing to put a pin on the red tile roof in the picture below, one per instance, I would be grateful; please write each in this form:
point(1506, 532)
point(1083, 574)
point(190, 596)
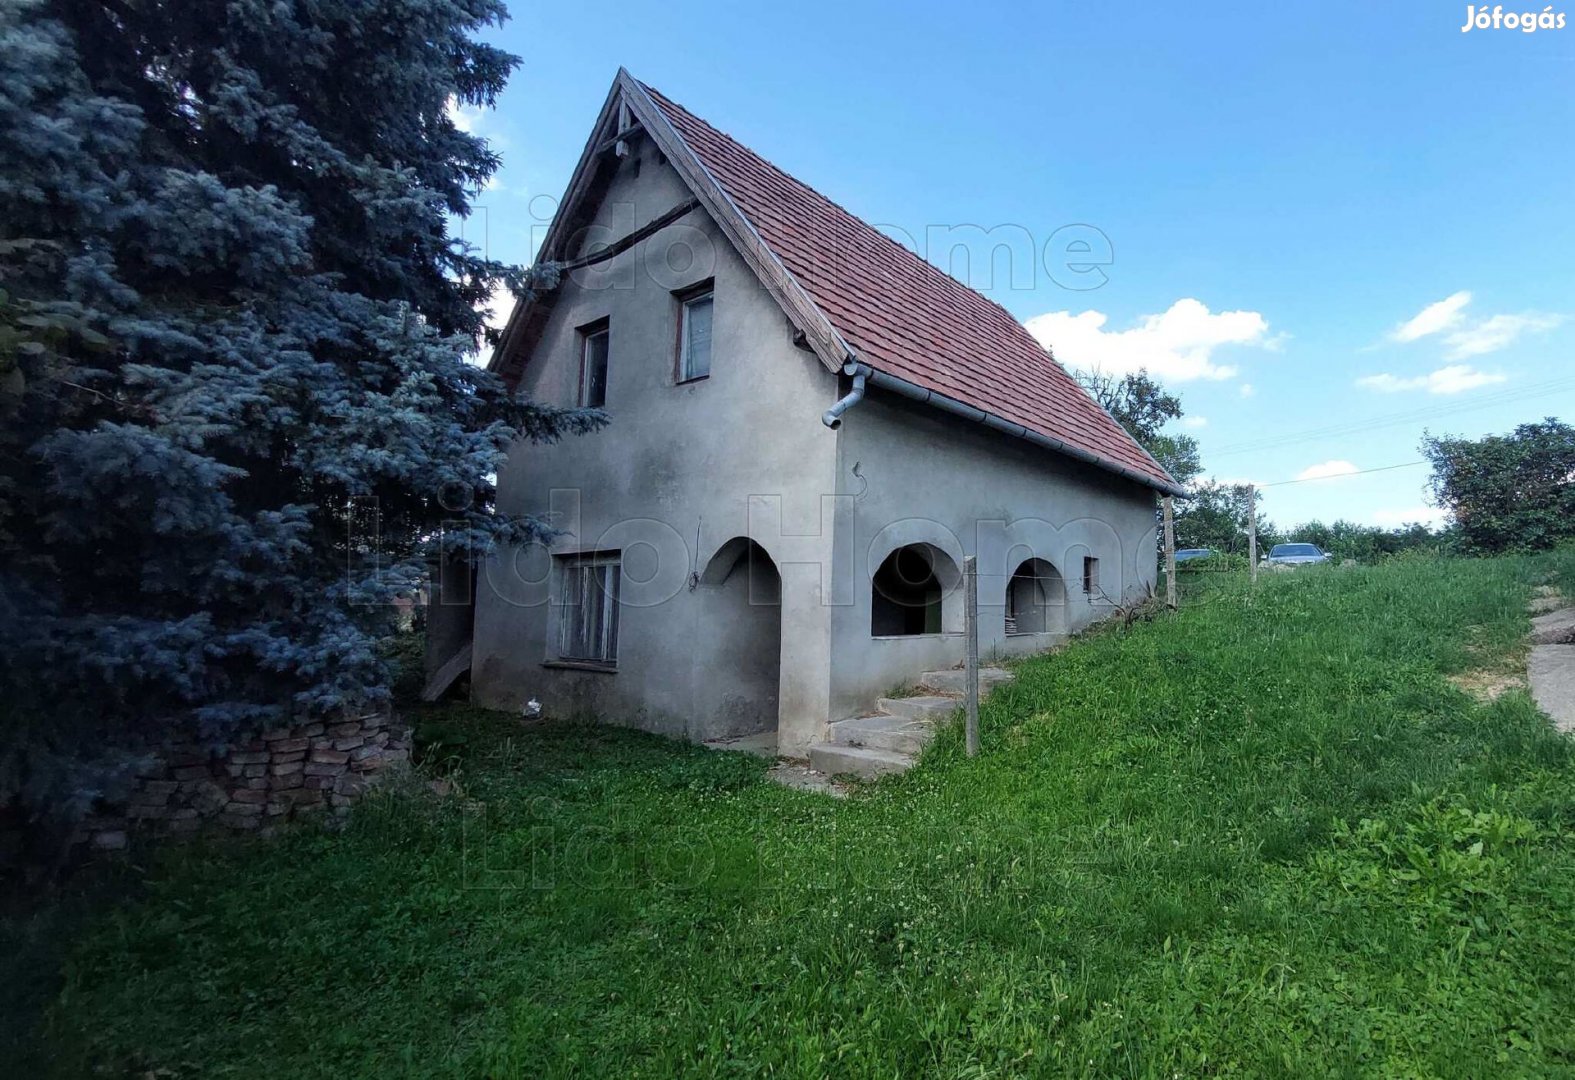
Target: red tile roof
point(901, 314)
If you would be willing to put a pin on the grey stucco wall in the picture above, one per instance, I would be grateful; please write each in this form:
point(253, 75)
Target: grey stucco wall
point(681, 470)
point(925, 477)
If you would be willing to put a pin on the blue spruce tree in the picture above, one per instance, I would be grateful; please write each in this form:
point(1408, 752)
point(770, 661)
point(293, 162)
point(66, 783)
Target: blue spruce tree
point(239, 411)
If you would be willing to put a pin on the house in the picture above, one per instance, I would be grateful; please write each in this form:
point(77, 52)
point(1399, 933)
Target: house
point(811, 427)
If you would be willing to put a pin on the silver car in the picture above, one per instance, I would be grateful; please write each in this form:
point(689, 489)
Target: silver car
point(1295, 555)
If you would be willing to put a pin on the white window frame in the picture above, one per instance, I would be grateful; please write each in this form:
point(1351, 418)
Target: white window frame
point(588, 335)
point(686, 372)
point(589, 585)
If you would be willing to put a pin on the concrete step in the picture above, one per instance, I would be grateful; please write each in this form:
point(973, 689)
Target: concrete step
point(919, 708)
point(950, 681)
point(895, 733)
point(834, 760)
point(1551, 673)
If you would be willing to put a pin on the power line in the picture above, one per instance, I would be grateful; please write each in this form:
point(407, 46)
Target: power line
point(1391, 419)
point(1343, 475)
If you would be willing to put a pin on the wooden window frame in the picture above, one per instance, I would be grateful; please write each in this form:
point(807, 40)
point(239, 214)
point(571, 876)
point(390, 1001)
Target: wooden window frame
point(570, 563)
point(682, 299)
point(584, 334)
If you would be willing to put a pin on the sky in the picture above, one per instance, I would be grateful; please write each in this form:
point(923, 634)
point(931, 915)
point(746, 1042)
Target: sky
point(1328, 227)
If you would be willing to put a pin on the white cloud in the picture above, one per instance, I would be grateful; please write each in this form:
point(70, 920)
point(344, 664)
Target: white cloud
point(1433, 318)
point(1195, 422)
point(1454, 379)
point(1430, 516)
point(499, 306)
point(1247, 389)
point(465, 117)
point(1327, 470)
point(1464, 337)
point(1498, 332)
point(1175, 346)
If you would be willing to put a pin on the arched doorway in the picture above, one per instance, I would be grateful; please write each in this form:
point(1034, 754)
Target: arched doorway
point(909, 592)
point(1035, 599)
point(739, 638)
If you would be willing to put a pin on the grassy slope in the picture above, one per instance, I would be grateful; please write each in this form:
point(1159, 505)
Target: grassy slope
point(1265, 836)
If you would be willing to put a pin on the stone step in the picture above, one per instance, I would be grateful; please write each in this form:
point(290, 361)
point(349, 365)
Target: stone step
point(919, 708)
point(1554, 628)
point(834, 760)
point(895, 733)
point(950, 681)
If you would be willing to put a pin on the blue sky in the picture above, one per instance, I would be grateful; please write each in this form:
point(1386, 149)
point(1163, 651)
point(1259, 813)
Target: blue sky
point(1331, 225)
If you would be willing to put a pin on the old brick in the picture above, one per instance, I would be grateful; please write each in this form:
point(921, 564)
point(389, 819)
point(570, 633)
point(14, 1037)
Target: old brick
point(243, 809)
point(249, 795)
point(348, 744)
point(275, 735)
point(311, 730)
point(192, 772)
point(288, 746)
point(322, 782)
point(147, 813)
point(285, 759)
point(256, 783)
point(289, 780)
point(183, 813)
point(329, 757)
point(350, 785)
point(284, 768)
point(375, 721)
point(254, 770)
point(274, 809)
point(249, 757)
point(345, 730)
point(370, 750)
point(339, 800)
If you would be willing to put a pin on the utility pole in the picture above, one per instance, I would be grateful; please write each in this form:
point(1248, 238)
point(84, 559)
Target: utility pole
point(971, 630)
point(1170, 555)
point(1252, 531)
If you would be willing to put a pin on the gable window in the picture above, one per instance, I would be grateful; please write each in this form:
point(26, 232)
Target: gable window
point(694, 333)
point(593, 365)
point(588, 613)
point(1090, 575)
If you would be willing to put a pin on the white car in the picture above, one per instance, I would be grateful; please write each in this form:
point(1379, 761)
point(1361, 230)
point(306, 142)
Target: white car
point(1295, 555)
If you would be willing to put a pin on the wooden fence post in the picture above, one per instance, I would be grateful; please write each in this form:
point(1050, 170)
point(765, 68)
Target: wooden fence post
point(1170, 555)
point(1252, 532)
point(971, 630)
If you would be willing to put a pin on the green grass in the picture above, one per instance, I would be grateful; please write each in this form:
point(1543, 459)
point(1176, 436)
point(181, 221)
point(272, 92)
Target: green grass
point(1263, 837)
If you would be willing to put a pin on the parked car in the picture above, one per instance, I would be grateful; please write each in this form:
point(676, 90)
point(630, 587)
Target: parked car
point(1186, 554)
point(1295, 555)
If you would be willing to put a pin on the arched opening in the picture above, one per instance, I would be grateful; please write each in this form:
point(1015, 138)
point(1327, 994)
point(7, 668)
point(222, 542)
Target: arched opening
point(908, 592)
point(739, 637)
point(1035, 599)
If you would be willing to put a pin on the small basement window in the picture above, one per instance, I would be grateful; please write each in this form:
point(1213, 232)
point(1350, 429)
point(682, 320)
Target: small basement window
point(588, 613)
point(694, 334)
point(1090, 575)
point(594, 340)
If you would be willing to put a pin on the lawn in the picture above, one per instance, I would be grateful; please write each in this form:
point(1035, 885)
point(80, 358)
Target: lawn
point(1265, 836)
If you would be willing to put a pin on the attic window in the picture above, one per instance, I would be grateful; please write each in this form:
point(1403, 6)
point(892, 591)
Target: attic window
point(594, 340)
point(694, 332)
